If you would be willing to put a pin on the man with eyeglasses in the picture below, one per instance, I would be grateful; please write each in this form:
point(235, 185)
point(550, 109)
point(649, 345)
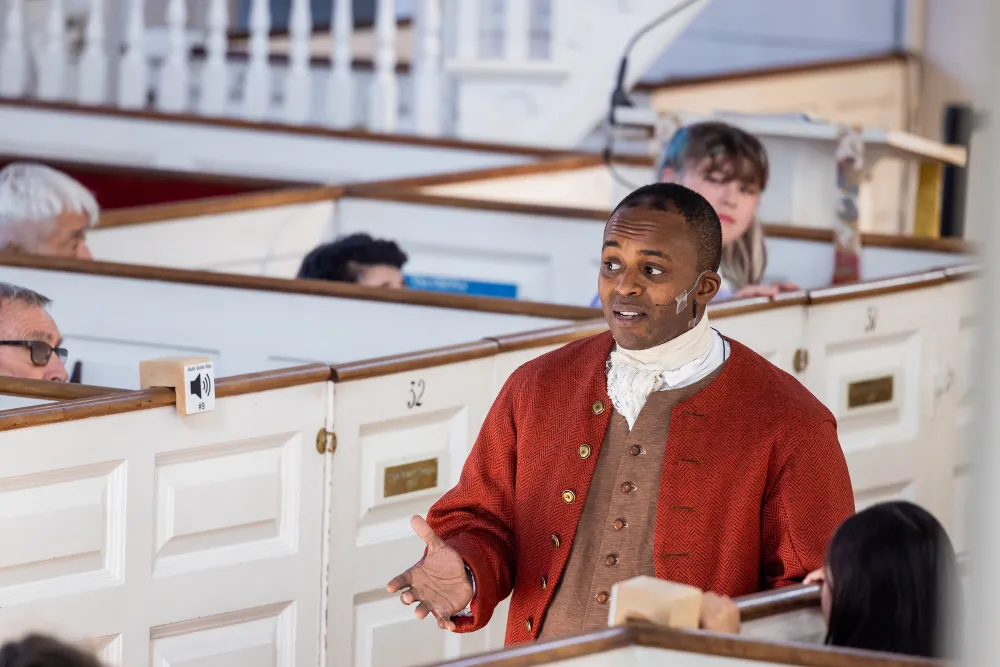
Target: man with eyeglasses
point(30, 343)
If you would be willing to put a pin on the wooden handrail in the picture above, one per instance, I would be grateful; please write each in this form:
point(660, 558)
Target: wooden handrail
point(650, 636)
point(777, 601)
point(56, 391)
point(484, 304)
point(138, 215)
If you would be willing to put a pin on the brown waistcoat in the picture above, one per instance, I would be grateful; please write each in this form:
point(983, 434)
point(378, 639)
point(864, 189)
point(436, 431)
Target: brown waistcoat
point(614, 539)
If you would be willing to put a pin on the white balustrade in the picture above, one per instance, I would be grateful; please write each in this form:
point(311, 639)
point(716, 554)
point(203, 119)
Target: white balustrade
point(52, 66)
point(13, 52)
point(340, 85)
point(132, 73)
point(467, 32)
point(298, 82)
point(172, 92)
point(92, 88)
point(257, 84)
point(214, 76)
point(518, 28)
point(427, 69)
point(384, 97)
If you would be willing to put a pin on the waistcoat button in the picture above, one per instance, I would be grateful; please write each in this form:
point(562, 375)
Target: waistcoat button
point(611, 559)
point(603, 597)
point(628, 487)
point(568, 496)
point(635, 450)
point(584, 451)
point(598, 407)
point(619, 524)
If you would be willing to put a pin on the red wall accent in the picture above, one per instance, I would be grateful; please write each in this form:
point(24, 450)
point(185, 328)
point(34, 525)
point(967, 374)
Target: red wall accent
point(124, 187)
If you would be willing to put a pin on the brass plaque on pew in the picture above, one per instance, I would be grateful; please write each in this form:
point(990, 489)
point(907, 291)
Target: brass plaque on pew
point(410, 477)
point(869, 392)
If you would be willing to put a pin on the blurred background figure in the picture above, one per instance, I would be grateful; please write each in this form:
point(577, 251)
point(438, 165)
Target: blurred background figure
point(44, 212)
point(42, 651)
point(728, 167)
point(358, 259)
point(30, 342)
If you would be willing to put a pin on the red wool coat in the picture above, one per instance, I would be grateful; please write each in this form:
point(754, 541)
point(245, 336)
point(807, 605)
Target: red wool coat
point(754, 453)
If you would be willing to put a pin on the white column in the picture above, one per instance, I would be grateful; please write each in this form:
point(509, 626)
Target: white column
point(467, 48)
point(257, 85)
point(427, 65)
point(383, 101)
point(214, 79)
point(517, 29)
point(132, 73)
point(93, 88)
point(172, 92)
point(13, 52)
point(52, 67)
point(297, 82)
point(340, 85)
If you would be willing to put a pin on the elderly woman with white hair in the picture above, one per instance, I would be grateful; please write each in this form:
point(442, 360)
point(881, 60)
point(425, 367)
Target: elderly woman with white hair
point(44, 212)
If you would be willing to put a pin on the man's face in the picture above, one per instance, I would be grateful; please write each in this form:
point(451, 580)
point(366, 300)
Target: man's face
point(380, 275)
point(68, 239)
point(21, 322)
point(649, 258)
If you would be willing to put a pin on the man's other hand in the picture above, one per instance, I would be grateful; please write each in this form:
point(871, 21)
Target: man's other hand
point(438, 581)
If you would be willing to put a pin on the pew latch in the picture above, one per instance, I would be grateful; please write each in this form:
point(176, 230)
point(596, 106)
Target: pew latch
point(326, 441)
point(801, 360)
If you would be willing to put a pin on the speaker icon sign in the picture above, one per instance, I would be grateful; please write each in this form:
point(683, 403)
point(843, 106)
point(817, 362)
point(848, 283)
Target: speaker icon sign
point(199, 386)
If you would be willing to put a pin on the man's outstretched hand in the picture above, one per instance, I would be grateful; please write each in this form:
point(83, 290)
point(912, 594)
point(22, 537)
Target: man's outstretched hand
point(438, 582)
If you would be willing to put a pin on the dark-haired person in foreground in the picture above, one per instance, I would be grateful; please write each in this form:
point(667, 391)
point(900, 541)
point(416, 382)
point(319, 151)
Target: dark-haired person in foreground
point(42, 651)
point(358, 259)
point(890, 583)
point(659, 448)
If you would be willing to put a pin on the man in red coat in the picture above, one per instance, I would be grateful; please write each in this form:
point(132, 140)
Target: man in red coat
point(660, 448)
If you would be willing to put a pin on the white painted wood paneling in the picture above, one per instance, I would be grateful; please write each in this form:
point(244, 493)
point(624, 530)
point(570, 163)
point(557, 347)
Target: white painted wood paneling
point(176, 540)
point(111, 324)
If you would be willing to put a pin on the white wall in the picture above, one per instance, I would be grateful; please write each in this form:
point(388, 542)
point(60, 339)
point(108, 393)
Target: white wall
point(111, 324)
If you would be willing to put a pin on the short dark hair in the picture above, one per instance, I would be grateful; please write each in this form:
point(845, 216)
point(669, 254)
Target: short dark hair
point(340, 260)
point(732, 150)
point(894, 573)
point(702, 220)
point(37, 650)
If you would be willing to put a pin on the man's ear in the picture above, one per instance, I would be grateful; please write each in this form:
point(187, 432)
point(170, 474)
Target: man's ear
point(708, 287)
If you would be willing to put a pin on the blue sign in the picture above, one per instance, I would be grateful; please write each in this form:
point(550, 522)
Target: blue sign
point(462, 286)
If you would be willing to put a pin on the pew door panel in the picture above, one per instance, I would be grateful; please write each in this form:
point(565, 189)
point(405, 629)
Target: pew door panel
point(955, 396)
point(773, 334)
point(267, 240)
point(872, 363)
point(160, 539)
point(402, 440)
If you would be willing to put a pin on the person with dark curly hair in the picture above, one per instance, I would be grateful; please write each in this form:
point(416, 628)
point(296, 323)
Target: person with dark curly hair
point(37, 650)
point(358, 259)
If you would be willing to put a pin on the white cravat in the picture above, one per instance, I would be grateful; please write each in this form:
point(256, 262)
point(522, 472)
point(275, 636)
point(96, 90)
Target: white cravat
point(634, 374)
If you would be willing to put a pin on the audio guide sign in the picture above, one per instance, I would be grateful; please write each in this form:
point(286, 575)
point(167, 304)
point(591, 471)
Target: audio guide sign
point(199, 388)
point(192, 378)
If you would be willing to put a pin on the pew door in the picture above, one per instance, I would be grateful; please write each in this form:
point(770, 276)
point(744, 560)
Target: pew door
point(774, 334)
point(872, 363)
point(402, 439)
point(165, 540)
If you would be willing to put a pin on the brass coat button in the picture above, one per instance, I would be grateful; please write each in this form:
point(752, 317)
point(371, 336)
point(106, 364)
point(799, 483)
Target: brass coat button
point(628, 487)
point(528, 624)
point(611, 559)
point(568, 496)
point(545, 583)
point(598, 407)
point(618, 524)
point(635, 450)
point(603, 597)
point(555, 541)
point(584, 451)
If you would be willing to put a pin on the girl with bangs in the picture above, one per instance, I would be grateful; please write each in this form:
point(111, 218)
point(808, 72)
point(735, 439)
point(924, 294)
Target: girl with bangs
point(728, 167)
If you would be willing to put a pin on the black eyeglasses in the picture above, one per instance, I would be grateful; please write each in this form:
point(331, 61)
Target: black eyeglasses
point(41, 351)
